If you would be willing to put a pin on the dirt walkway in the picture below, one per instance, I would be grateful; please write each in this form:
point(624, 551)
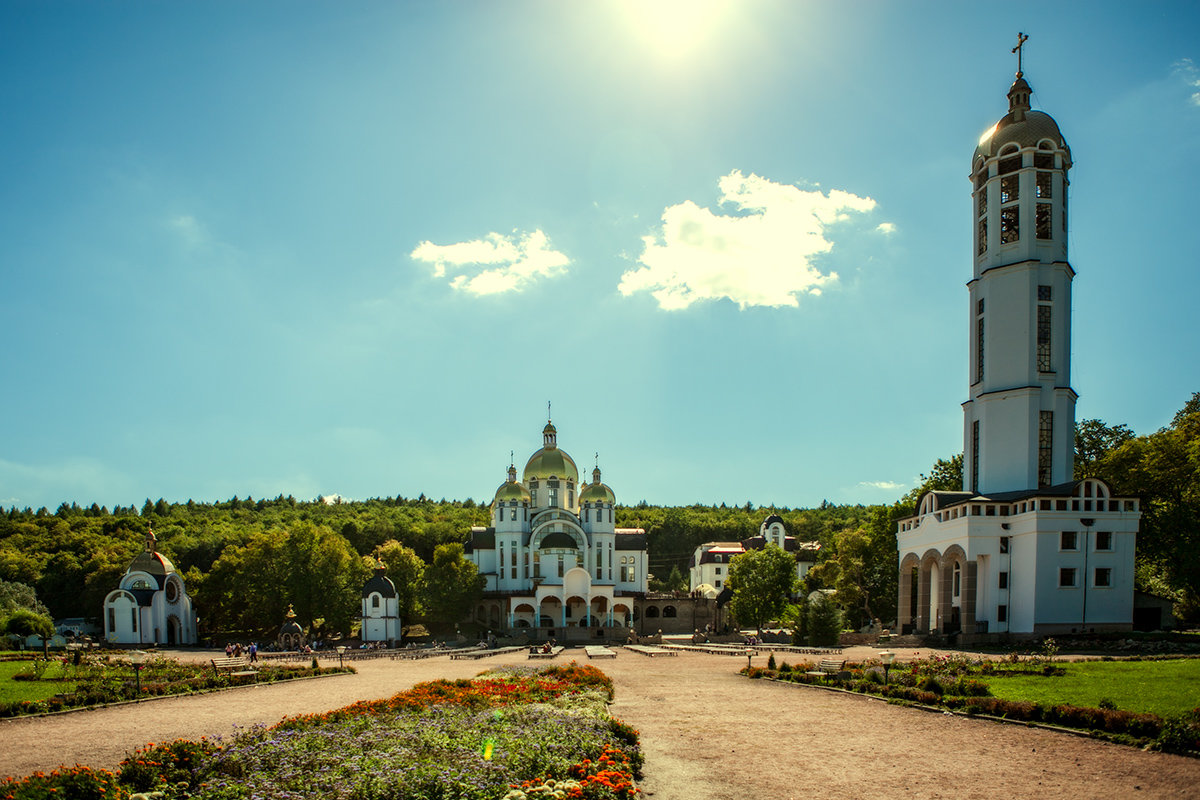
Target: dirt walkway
point(706, 731)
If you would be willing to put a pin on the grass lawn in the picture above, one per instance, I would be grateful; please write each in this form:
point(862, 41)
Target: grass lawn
point(14, 691)
point(1165, 688)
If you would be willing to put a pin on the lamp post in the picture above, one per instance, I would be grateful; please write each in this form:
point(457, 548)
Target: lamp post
point(887, 657)
point(749, 656)
point(341, 652)
point(137, 657)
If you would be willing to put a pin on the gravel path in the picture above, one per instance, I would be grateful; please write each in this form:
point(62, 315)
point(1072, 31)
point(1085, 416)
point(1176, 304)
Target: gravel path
point(706, 732)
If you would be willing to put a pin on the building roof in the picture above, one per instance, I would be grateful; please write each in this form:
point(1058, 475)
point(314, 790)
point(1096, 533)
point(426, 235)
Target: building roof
point(380, 583)
point(1021, 126)
point(630, 539)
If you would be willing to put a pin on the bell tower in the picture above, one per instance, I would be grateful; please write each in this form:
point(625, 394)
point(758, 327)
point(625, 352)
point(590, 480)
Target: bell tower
point(1019, 420)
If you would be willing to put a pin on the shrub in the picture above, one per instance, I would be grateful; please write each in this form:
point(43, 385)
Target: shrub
point(771, 662)
point(824, 622)
point(76, 783)
point(932, 685)
point(1179, 734)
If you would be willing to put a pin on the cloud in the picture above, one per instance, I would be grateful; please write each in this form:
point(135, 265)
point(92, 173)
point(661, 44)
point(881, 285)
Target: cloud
point(888, 485)
point(1187, 70)
point(189, 229)
point(763, 257)
point(495, 263)
point(886, 228)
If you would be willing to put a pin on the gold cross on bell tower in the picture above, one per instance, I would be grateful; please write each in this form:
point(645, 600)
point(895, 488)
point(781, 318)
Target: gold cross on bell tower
point(1019, 50)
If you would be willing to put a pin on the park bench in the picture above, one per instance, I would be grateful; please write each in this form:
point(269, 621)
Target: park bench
point(599, 651)
point(536, 652)
point(236, 667)
point(827, 668)
point(647, 650)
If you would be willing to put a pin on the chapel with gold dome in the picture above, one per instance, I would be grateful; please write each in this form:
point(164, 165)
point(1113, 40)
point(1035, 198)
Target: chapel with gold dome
point(552, 557)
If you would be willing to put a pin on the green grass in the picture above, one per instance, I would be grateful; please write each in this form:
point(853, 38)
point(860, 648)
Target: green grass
point(1165, 688)
point(13, 691)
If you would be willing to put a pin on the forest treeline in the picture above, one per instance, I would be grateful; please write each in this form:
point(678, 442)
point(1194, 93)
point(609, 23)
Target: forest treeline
point(245, 560)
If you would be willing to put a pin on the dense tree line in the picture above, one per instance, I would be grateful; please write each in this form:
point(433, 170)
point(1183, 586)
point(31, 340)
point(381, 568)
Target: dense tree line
point(245, 560)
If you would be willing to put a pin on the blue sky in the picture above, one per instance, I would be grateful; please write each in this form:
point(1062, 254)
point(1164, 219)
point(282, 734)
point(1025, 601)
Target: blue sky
point(318, 248)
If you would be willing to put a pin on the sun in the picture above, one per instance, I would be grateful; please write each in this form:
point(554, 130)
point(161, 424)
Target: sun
point(673, 29)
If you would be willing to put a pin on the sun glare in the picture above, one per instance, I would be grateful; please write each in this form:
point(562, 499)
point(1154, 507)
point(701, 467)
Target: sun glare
point(674, 28)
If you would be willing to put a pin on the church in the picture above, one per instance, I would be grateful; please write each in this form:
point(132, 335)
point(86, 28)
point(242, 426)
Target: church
point(151, 604)
point(553, 560)
point(1023, 548)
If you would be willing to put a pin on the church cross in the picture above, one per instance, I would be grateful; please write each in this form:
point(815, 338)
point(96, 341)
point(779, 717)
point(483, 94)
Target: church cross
point(1019, 50)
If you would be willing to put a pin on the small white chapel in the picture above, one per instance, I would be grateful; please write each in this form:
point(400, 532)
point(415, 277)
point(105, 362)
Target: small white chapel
point(1023, 548)
point(151, 604)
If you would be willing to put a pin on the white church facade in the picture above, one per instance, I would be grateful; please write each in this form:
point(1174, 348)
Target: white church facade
point(151, 603)
point(552, 558)
point(1023, 548)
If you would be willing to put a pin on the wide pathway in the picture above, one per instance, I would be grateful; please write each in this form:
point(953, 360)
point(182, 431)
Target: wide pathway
point(707, 732)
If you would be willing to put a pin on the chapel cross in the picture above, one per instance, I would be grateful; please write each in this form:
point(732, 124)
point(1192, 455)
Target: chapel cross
point(1019, 50)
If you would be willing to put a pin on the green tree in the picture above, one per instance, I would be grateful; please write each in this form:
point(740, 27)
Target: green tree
point(824, 622)
point(762, 582)
point(15, 596)
point(407, 571)
point(452, 585)
point(1093, 441)
point(1163, 469)
point(24, 622)
point(945, 476)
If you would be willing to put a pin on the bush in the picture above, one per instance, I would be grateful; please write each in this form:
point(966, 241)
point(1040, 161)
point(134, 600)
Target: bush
point(824, 622)
point(76, 783)
point(1179, 734)
point(771, 662)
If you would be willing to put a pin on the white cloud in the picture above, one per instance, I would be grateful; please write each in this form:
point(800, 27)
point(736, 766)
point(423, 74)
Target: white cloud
point(763, 257)
point(495, 263)
point(189, 229)
point(889, 485)
point(1187, 70)
point(886, 228)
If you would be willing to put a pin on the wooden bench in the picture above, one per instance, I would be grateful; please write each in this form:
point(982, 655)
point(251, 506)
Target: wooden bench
point(599, 651)
point(236, 667)
point(646, 650)
point(536, 652)
point(827, 668)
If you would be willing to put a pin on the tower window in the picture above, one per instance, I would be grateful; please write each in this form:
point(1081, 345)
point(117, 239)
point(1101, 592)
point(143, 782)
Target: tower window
point(1009, 230)
point(1045, 293)
point(1003, 544)
point(1010, 189)
point(1002, 613)
point(1010, 165)
point(1044, 314)
point(1003, 580)
point(1045, 444)
point(975, 456)
point(1067, 541)
point(1044, 215)
point(1066, 577)
point(981, 247)
point(979, 348)
point(1103, 577)
point(1103, 540)
point(1045, 185)
point(982, 204)
point(1043, 160)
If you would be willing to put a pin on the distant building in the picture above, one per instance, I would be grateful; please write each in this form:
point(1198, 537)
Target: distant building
point(709, 565)
point(1023, 548)
point(380, 608)
point(151, 604)
point(552, 558)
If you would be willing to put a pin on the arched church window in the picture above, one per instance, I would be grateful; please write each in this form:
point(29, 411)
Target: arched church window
point(374, 601)
point(172, 591)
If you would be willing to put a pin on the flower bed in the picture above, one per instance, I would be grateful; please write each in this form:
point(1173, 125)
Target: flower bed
point(531, 734)
point(102, 680)
point(944, 681)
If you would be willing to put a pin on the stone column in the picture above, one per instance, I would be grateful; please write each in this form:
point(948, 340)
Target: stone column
point(904, 604)
point(924, 578)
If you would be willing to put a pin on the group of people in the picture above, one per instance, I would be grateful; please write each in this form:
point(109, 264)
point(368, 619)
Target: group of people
point(235, 650)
